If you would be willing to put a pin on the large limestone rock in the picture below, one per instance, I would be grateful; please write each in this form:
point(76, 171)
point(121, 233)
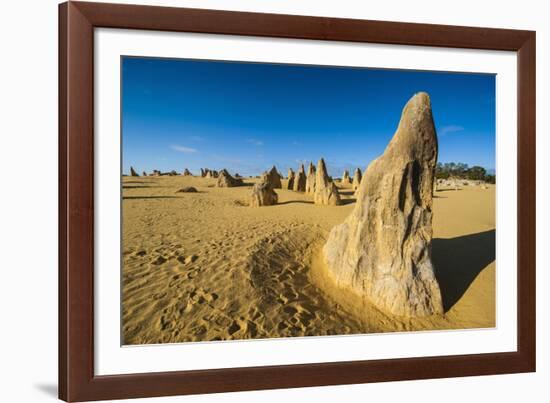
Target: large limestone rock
point(225, 180)
point(346, 180)
point(310, 179)
point(382, 251)
point(291, 177)
point(133, 172)
point(263, 195)
point(273, 178)
point(326, 192)
point(300, 180)
point(357, 176)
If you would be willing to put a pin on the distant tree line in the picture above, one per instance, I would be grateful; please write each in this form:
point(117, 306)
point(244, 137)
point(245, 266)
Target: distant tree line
point(463, 171)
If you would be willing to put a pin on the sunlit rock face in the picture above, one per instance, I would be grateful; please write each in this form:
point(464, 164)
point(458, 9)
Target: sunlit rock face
point(225, 180)
point(326, 192)
point(310, 179)
point(263, 195)
point(383, 249)
point(273, 178)
point(300, 180)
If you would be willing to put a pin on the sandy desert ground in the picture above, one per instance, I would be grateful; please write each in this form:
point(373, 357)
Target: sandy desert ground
point(206, 266)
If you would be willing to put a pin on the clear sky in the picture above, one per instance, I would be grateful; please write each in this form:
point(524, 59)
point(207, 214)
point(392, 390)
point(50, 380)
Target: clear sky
point(247, 117)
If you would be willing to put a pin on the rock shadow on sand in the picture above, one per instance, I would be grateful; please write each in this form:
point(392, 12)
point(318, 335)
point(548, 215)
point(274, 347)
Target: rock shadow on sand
point(138, 186)
point(296, 201)
point(458, 261)
point(148, 197)
point(348, 201)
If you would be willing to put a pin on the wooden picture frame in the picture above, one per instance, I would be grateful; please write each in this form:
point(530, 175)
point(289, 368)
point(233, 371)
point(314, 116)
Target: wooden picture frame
point(77, 381)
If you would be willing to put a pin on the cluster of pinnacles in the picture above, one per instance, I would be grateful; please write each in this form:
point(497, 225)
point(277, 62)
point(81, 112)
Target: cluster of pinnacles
point(316, 182)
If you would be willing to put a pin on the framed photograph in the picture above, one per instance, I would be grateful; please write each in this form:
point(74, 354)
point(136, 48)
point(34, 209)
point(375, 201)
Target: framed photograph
point(257, 201)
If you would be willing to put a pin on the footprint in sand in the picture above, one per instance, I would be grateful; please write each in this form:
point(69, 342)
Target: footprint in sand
point(200, 330)
point(290, 310)
point(222, 321)
point(282, 326)
point(187, 259)
point(186, 308)
point(202, 296)
point(255, 314)
point(234, 328)
point(175, 281)
point(159, 260)
point(164, 323)
point(211, 297)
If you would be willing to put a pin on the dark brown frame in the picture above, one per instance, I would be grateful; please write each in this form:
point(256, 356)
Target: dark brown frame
point(77, 381)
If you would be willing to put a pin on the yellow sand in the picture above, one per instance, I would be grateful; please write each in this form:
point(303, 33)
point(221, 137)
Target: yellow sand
point(205, 266)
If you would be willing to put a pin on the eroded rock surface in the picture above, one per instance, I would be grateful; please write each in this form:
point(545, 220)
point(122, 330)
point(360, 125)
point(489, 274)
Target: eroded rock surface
point(357, 176)
point(300, 180)
point(310, 179)
point(383, 249)
point(326, 192)
point(225, 180)
point(345, 178)
point(291, 176)
point(273, 178)
point(263, 195)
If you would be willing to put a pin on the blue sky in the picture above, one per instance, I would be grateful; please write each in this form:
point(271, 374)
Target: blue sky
point(247, 117)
